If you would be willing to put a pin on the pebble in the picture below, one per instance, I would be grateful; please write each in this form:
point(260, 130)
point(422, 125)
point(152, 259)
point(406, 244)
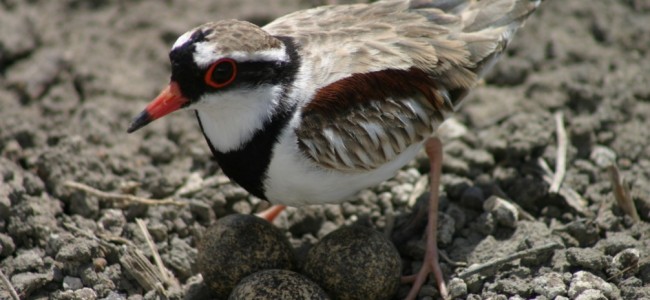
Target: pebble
point(473, 198)
point(504, 212)
point(457, 288)
point(180, 258)
point(113, 221)
point(626, 259)
point(587, 258)
point(29, 282)
point(451, 129)
point(583, 281)
point(7, 245)
point(550, 285)
point(72, 283)
point(616, 242)
point(591, 294)
point(29, 260)
point(85, 294)
point(602, 156)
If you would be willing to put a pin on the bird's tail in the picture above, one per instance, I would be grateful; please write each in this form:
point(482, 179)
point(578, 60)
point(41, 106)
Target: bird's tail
point(484, 26)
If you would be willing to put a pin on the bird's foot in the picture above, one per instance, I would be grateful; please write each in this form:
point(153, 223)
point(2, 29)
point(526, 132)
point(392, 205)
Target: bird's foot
point(271, 213)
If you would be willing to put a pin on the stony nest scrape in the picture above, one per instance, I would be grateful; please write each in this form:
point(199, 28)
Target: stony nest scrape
point(73, 73)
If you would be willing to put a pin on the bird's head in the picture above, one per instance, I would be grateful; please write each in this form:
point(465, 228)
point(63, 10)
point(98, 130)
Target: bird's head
point(217, 63)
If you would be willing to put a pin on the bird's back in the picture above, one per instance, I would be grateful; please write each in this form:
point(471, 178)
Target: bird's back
point(454, 41)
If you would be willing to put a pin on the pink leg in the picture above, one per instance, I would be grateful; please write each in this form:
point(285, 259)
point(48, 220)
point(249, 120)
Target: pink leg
point(272, 212)
point(433, 147)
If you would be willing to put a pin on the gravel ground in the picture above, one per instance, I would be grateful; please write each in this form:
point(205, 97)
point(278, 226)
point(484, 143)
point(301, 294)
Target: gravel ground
point(73, 73)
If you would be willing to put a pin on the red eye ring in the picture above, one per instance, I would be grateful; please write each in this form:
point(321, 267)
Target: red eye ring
point(208, 75)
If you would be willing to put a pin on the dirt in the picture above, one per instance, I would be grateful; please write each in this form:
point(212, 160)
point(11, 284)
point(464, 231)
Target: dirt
point(73, 74)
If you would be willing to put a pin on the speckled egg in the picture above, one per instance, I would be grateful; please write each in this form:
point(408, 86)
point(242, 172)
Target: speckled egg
point(237, 246)
point(277, 284)
point(355, 263)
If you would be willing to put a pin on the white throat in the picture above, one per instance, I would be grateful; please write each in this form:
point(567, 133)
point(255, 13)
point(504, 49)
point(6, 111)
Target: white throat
point(231, 118)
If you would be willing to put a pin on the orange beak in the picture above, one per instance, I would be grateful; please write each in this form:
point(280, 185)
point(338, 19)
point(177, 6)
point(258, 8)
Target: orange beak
point(169, 100)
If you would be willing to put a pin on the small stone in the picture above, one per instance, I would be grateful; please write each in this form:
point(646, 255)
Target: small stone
point(180, 258)
point(628, 258)
point(591, 294)
point(85, 294)
point(72, 283)
point(504, 212)
point(201, 211)
point(473, 198)
point(602, 156)
point(7, 245)
point(28, 261)
point(550, 285)
point(114, 296)
point(99, 264)
point(113, 221)
point(158, 231)
point(616, 242)
point(457, 288)
point(583, 281)
point(451, 129)
point(26, 283)
point(587, 258)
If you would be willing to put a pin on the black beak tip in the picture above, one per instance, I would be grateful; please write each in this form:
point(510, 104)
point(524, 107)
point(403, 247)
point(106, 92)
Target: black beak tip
point(139, 121)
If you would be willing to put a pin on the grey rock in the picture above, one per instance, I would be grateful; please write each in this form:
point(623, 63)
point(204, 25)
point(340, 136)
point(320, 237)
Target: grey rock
point(591, 294)
point(30, 260)
point(628, 258)
point(180, 258)
point(28, 282)
point(587, 258)
point(583, 281)
point(114, 296)
point(550, 285)
point(7, 245)
point(457, 288)
point(616, 242)
point(72, 283)
point(473, 198)
point(85, 294)
point(603, 156)
point(113, 221)
point(504, 212)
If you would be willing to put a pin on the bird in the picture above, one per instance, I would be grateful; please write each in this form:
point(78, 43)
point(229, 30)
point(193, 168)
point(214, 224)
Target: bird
point(324, 102)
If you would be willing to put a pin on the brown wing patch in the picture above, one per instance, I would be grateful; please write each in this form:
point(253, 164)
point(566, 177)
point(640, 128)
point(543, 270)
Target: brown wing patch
point(342, 95)
point(363, 121)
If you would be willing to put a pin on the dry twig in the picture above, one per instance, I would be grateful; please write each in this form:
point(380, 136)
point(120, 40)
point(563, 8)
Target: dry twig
point(9, 286)
point(560, 159)
point(622, 194)
point(496, 263)
point(156, 256)
point(572, 198)
point(118, 197)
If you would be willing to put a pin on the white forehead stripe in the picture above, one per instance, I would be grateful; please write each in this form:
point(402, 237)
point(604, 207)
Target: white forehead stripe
point(205, 54)
point(182, 40)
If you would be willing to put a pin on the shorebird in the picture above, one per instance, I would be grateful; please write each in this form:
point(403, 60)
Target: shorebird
point(324, 102)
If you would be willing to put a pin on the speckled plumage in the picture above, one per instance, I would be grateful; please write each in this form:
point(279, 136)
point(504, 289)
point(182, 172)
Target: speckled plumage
point(450, 41)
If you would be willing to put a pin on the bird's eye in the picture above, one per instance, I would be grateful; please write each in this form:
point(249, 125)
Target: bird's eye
point(221, 73)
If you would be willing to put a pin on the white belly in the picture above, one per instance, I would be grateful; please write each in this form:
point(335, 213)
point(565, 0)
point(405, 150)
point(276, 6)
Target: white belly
point(295, 180)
